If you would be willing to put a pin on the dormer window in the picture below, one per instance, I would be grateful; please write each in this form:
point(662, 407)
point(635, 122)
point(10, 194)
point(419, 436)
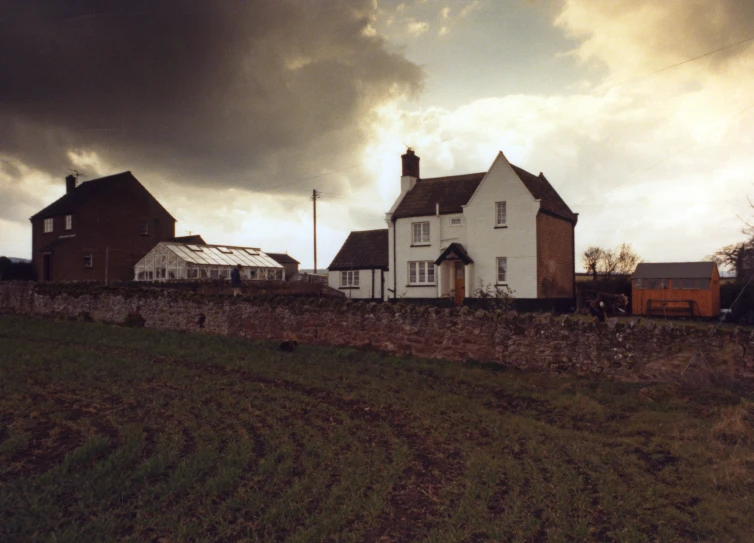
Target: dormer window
point(501, 215)
point(68, 222)
point(144, 228)
point(48, 226)
point(420, 233)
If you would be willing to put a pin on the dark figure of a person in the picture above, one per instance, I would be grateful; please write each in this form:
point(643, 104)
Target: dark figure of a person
point(599, 306)
point(235, 280)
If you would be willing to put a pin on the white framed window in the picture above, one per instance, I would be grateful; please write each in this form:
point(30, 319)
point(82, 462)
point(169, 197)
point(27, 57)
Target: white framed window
point(456, 221)
point(420, 233)
point(68, 222)
point(349, 278)
point(48, 225)
point(88, 260)
point(502, 269)
point(501, 214)
point(145, 227)
point(421, 273)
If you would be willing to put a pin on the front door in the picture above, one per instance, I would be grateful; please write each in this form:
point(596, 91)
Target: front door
point(460, 283)
point(47, 266)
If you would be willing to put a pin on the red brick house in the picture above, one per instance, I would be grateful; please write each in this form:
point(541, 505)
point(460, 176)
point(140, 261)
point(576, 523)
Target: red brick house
point(98, 230)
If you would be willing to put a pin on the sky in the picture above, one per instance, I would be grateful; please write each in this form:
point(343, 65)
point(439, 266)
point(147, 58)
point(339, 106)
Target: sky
point(640, 113)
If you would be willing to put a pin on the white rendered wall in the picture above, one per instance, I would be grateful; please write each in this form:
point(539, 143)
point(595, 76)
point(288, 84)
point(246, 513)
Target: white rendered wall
point(365, 284)
point(517, 242)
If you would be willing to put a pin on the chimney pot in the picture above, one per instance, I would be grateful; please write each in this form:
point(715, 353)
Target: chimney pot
point(70, 184)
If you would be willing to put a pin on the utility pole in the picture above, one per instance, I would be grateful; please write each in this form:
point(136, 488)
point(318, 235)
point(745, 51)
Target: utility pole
point(315, 195)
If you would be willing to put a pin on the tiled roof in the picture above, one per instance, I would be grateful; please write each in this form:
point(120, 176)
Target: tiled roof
point(450, 192)
point(282, 258)
point(68, 203)
point(542, 190)
point(455, 191)
point(367, 249)
point(674, 270)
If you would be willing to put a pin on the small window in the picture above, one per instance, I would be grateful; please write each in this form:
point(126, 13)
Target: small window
point(145, 228)
point(420, 233)
point(656, 284)
point(194, 248)
point(88, 260)
point(68, 222)
point(638, 284)
point(501, 215)
point(191, 273)
point(455, 221)
point(225, 250)
point(349, 278)
point(421, 273)
point(48, 225)
point(252, 252)
point(502, 269)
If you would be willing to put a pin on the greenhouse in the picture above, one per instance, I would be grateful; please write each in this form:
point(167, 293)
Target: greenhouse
point(169, 260)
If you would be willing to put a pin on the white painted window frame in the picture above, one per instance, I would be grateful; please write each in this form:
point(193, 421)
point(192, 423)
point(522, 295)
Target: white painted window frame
point(420, 234)
point(48, 225)
point(501, 213)
point(421, 272)
point(504, 261)
point(349, 278)
point(69, 222)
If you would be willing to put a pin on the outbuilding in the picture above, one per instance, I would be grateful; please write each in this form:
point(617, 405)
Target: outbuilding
point(676, 289)
point(170, 260)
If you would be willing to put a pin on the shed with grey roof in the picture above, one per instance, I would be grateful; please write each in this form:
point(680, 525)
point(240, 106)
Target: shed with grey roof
point(690, 289)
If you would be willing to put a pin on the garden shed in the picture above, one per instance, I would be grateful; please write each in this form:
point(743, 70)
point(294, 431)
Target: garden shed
point(676, 289)
point(171, 260)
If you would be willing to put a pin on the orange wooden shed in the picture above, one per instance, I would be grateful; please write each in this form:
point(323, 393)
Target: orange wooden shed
point(676, 289)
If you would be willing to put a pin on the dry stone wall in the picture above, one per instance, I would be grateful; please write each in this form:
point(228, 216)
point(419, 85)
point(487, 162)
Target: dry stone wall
point(632, 349)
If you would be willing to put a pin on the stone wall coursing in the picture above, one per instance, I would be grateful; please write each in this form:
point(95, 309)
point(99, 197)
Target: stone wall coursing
point(630, 350)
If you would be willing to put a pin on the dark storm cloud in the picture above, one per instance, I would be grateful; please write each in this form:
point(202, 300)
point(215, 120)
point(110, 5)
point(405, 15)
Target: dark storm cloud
point(227, 92)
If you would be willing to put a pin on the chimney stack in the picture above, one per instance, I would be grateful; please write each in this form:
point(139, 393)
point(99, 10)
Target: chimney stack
point(70, 184)
point(410, 170)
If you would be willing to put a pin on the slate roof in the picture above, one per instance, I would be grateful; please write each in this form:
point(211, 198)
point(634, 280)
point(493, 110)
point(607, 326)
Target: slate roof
point(455, 251)
point(542, 190)
point(453, 192)
point(367, 249)
point(68, 203)
point(450, 192)
point(674, 270)
point(282, 258)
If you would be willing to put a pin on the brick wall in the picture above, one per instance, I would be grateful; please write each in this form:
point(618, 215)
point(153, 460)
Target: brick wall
point(555, 265)
point(631, 351)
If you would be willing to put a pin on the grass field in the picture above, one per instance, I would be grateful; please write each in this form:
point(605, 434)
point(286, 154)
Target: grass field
point(119, 434)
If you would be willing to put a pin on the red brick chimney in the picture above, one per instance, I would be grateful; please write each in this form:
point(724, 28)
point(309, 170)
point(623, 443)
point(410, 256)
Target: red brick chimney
point(70, 184)
point(410, 164)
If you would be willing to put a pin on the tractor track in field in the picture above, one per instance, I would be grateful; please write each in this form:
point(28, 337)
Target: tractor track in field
point(415, 500)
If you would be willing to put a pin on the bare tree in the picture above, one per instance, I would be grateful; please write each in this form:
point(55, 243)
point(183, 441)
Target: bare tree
point(608, 263)
point(627, 259)
point(591, 259)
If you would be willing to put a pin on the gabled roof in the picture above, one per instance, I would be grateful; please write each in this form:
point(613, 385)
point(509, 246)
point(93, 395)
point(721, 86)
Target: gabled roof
point(455, 191)
point(541, 189)
point(455, 251)
point(68, 203)
point(450, 192)
point(282, 258)
point(674, 270)
point(367, 249)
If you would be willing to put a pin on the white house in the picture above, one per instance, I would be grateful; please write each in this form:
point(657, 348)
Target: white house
point(360, 268)
point(503, 227)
